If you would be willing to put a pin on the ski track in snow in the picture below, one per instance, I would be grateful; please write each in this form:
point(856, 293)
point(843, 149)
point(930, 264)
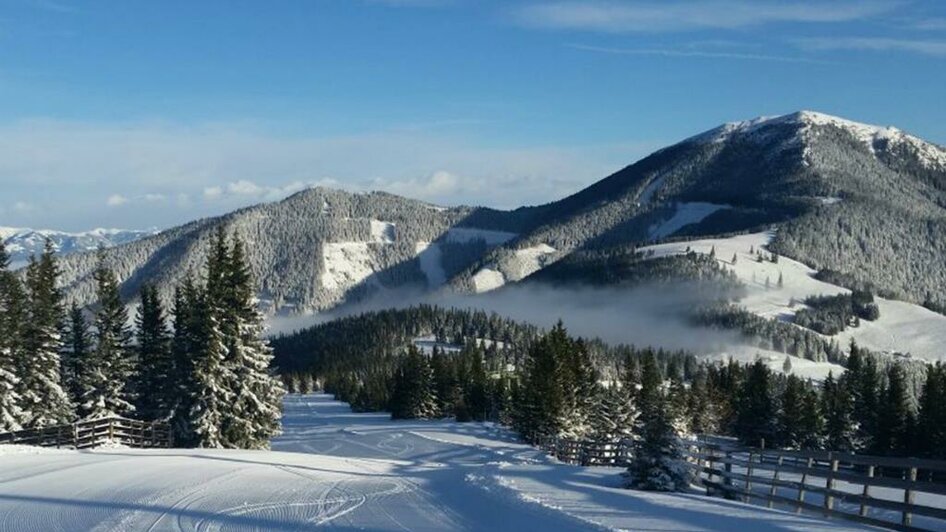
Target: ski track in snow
point(338, 469)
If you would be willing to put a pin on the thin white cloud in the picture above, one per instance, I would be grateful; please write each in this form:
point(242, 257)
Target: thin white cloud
point(206, 170)
point(925, 47)
point(23, 206)
point(930, 24)
point(116, 200)
point(685, 15)
point(671, 52)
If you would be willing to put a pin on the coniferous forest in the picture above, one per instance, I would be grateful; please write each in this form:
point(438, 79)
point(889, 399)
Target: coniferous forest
point(550, 385)
point(200, 365)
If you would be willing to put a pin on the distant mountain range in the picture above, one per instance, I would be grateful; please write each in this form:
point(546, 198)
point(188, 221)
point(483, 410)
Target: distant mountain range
point(22, 243)
point(866, 201)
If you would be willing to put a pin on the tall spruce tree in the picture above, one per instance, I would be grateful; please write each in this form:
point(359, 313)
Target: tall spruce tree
point(209, 396)
point(658, 462)
point(541, 406)
point(413, 393)
point(895, 420)
point(932, 417)
point(12, 311)
point(862, 382)
point(44, 402)
point(156, 378)
point(108, 376)
point(756, 420)
point(76, 352)
point(253, 418)
point(184, 344)
point(837, 406)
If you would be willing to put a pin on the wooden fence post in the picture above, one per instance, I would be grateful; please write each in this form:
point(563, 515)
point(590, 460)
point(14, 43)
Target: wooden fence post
point(908, 497)
point(778, 466)
point(801, 485)
point(745, 497)
point(866, 493)
point(829, 484)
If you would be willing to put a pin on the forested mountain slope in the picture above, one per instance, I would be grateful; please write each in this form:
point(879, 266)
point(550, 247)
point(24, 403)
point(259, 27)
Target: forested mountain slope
point(867, 202)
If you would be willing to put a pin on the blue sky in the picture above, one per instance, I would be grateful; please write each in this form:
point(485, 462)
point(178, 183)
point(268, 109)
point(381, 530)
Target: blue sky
point(138, 114)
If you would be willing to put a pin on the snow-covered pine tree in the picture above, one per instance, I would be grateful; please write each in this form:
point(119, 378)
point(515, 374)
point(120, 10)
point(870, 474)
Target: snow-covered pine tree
point(837, 407)
point(44, 402)
point(413, 394)
point(184, 343)
point(209, 396)
point(658, 462)
point(799, 419)
point(11, 316)
point(156, 384)
point(932, 417)
point(254, 414)
point(862, 382)
point(896, 419)
point(108, 377)
point(579, 384)
point(756, 419)
point(76, 352)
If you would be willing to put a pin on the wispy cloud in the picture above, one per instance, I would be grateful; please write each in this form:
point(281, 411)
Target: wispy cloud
point(879, 44)
point(117, 200)
point(672, 52)
point(930, 24)
point(686, 15)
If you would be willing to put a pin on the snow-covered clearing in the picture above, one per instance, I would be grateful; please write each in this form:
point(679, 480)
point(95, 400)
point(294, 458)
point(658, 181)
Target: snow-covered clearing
point(383, 232)
point(463, 235)
point(338, 469)
point(488, 279)
point(430, 257)
point(345, 264)
point(685, 214)
point(902, 327)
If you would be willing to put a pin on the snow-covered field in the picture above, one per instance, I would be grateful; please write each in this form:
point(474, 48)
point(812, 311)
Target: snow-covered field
point(902, 327)
point(334, 468)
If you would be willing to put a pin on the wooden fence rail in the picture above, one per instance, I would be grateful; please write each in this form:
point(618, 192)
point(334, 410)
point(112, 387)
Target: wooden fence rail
point(895, 493)
point(85, 434)
point(881, 491)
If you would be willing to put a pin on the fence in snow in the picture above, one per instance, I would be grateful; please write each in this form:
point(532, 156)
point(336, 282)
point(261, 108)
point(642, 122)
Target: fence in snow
point(895, 493)
point(85, 434)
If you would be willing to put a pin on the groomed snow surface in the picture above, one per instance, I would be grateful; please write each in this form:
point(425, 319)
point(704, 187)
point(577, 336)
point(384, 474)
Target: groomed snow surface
point(337, 469)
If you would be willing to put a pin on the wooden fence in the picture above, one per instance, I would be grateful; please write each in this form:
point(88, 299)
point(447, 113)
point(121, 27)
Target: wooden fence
point(616, 453)
point(85, 434)
point(895, 493)
point(881, 491)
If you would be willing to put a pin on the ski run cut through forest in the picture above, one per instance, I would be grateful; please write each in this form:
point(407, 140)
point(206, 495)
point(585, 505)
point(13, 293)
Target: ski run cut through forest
point(339, 469)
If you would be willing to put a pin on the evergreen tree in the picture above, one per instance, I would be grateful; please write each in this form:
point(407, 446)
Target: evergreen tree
point(837, 406)
point(12, 309)
point(541, 405)
point(476, 391)
point(156, 384)
point(413, 395)
point(209, 396)
point(862, 382)
point(658, 460)
point(895, 422)
point(253, 418)
point(78, 348)
point(44, 402)
point(184, 343)
point(108, 376)
point(932, 417)
point(756, 420)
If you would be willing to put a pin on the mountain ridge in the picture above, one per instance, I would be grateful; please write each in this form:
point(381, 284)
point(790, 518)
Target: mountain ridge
point(824, 182)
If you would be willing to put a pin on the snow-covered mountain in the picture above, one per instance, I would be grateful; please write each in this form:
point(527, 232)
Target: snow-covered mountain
point(866, 201)
point(22, 243)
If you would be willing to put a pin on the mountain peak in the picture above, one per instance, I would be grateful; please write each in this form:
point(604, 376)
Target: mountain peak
point(805, 124)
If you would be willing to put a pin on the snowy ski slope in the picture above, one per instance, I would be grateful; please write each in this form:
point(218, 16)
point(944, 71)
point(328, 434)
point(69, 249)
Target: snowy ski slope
point(336, 469)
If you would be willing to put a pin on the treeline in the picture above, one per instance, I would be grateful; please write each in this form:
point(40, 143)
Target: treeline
point(203, 367)
point(769, 334)
point(830, 315)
